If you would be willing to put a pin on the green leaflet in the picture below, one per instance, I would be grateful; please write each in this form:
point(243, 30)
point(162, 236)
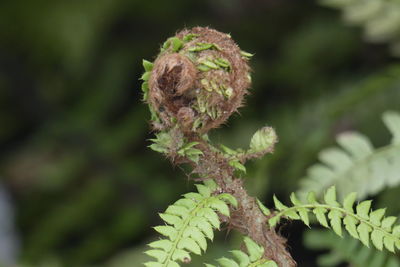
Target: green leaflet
point(192, 153)
point(145, 77)
point(346, 250)
point(392, 122)
point(246, 54)
point(210, 64)
point(254, 258)
point(147, 65)
point(190, 221)
point(162, 142)
point(189, 37)
point(203, 46)
point(356, 166)
point(362, 223)
point(174, 43)
point(228, 151)
point(237, 165)
point(264, 209)
point(223, 63)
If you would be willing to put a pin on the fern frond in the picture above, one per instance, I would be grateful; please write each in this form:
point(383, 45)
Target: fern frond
point(363, 223)
point(380, 19)
point(253, 258)
point(347, 250)
point(356, 165)
point(189, 222)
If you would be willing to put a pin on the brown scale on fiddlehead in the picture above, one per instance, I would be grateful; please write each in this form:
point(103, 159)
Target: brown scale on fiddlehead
point(196, 83)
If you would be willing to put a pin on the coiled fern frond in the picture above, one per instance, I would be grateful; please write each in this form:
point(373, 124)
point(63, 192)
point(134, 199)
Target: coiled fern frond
point(363, 223)
point(254, 257)
point(189, 222)
point(348, 250)
point(356, 166)
point(380, 19)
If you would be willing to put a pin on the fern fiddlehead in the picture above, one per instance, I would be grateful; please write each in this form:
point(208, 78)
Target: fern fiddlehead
point(197, 81)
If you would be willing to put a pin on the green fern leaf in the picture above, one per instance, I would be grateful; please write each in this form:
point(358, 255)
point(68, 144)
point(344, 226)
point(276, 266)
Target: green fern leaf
point(392, 121)
point(320, 215)
point(262, 207)
point(348, 202)
point(147, 65)
point(190, 221)
point(356, 166)
point(363, 224)
point(255, 251)
point(242, 258)
point(225, 262)
point(350, 223)
point(303, 212)
point(379, 18)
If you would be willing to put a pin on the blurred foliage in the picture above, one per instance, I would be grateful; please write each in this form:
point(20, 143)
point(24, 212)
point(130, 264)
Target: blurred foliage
point(73, 137)
point(355, 165)
point(379, 18)
point(347, 250)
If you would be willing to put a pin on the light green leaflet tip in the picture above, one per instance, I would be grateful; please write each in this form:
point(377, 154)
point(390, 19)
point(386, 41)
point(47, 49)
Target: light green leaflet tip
point(246, 54)
point(147, 65)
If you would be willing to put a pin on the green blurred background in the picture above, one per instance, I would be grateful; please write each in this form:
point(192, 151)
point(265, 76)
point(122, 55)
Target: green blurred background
point(79, 187)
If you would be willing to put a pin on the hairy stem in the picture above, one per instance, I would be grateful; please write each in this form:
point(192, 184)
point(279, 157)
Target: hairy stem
point(247, 218)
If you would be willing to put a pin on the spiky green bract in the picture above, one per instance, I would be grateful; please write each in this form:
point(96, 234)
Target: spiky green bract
point(168, 143)
point(148, 66)
point(356, 166)
point(380, 19)
point(163, 143)
point(362, 223)
point(346, 250)
point(189, 222)
point(264, 209)
point(234, 157)
point(253, 258)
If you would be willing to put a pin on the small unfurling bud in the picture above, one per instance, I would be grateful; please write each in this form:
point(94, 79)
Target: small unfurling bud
point(263, 140)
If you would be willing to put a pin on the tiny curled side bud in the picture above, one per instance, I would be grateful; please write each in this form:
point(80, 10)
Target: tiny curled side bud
point(263, 140)
point(197, 81)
